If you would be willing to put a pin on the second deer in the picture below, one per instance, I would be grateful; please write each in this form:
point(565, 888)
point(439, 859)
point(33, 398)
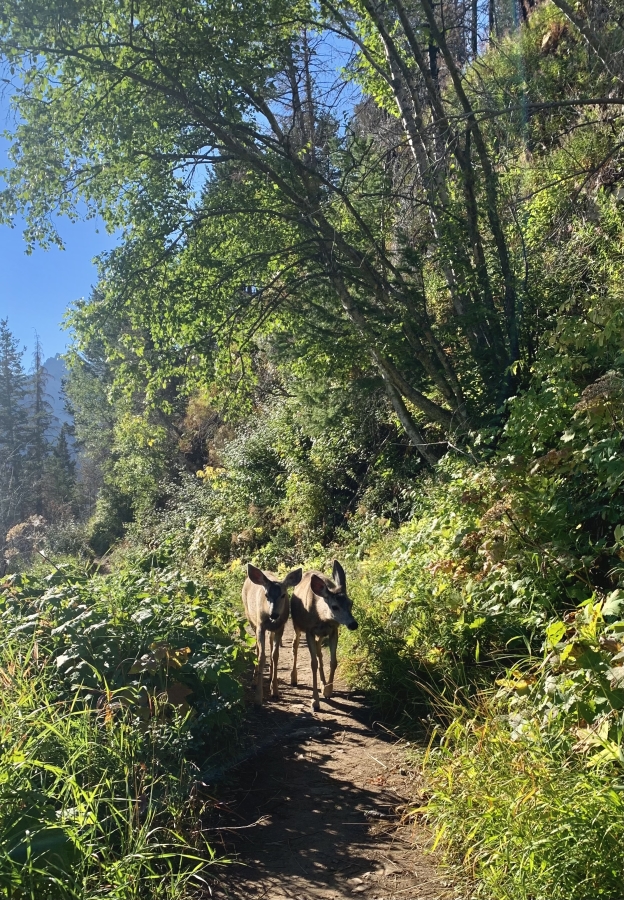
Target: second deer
point(319, 606)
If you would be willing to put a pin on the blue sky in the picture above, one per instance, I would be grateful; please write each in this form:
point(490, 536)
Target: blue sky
point(35, 290)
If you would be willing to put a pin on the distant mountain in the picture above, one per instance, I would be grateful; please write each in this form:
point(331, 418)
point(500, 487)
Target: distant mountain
point(57, 370)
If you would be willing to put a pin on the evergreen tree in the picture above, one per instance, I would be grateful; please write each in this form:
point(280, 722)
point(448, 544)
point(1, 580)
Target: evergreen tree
point(13, 428)
point(40, 418)
point(88, 388)
point(59, 479)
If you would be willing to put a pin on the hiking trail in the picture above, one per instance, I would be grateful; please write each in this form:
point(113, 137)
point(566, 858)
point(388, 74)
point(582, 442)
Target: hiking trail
point(315, 813)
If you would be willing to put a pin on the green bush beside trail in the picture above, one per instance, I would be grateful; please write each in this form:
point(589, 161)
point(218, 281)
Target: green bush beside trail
point(116, 691)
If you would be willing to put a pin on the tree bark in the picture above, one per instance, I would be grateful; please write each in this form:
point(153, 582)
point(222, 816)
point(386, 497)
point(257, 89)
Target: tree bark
point(494, 338)
point(414, 433)
point(474, 34)
point(386, 368)
point(480, 326)
point(491, 186)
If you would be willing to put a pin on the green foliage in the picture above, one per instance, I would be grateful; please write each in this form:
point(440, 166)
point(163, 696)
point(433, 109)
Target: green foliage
point(525, 822)
point(37, 476)
point(490, 569)
point(140, 459)
point(528, 781)
point(146, 631)
point(115, 689)
point(86, 806)
point(13, 426)
point(301, 277)
point(286, 484)
point(443, 602)
point(112, 511)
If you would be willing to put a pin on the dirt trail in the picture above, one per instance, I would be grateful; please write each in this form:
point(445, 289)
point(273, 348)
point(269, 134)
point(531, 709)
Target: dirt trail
point(315, 814)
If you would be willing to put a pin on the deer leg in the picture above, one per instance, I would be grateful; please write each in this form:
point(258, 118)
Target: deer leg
point(260, 639)
point(316, 703)
point(333, 662)
point(319, 653)
point(271, 648)
point(295, 648)
point(275, 649)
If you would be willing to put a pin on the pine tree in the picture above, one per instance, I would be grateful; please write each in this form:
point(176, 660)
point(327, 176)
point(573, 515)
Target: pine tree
point(59, 487)
point(40, 418)
point(13, 428)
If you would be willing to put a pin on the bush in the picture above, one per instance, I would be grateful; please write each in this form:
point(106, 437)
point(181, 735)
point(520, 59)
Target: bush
point(116, 690)
point(490, 571)
point(68, 538)
point(86, 808)
point(524, 822)
point(112, 512)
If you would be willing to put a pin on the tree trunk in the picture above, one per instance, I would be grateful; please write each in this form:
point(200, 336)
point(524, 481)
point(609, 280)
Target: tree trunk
point(491, 187)
point(414, 434)
point(474, 34)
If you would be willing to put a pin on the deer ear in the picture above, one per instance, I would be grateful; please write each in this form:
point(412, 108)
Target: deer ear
point(339, 576)
point(255, 574)
point(318, 586)
point(293, 578)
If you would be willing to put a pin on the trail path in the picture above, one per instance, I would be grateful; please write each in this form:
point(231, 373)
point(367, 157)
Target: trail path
point(315, 814)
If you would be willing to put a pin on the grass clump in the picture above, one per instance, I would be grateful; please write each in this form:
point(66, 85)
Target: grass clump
point(115, 691)
point(528, 791)
point(524, 821)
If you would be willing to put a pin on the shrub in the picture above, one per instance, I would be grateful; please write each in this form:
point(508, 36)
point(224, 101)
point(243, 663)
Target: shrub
point(524, 822)
point(68, 538)
point(116, 689)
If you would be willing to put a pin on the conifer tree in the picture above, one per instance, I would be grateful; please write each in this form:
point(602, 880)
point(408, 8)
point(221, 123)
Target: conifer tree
point(40, 418)
point(59, 487)
point(13, 428)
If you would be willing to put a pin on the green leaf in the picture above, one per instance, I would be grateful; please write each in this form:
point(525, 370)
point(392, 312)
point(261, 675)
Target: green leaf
point(613, 606)
point(555, 633)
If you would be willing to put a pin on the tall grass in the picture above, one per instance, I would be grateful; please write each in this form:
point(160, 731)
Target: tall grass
point(480, 589)
point(524, 821)
point(113, 691)
point(86, 810)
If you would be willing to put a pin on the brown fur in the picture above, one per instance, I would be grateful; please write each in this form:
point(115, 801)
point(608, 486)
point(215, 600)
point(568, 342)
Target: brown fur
point(319, 606)
point(267, 607)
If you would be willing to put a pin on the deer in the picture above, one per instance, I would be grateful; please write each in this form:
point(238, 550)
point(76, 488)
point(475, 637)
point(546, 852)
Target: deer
point(319, 606)
point(267, 607)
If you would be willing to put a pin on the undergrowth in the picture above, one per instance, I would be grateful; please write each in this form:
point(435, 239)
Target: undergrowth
point(495, 617)
point(523, 820)
point(489, 596)
point(489, 588)
point(116, 690)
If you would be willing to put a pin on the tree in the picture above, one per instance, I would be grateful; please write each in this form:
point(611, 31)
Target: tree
point(40, 418)
point(120, 431)
point(13, 427)
point(397, 238)
point(58, 479)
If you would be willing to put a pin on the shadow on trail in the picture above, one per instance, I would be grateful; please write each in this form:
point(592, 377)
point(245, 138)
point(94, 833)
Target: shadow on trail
point(311, 823)
point(308, 810)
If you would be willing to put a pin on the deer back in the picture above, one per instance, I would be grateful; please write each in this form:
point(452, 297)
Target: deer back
point(305, 604)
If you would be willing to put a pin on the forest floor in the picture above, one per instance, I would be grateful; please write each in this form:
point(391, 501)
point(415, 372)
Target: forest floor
point(316, 812)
